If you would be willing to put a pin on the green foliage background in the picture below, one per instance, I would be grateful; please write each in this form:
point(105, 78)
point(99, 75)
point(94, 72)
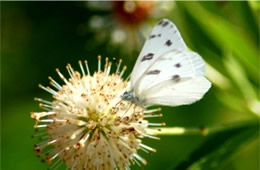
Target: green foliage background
point(37, 37)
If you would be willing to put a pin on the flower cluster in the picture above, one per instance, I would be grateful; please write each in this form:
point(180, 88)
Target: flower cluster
point(87, 125)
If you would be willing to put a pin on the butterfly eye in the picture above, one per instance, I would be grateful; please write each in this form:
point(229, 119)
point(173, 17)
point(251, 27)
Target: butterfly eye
point(128, 95)
point(125, 95)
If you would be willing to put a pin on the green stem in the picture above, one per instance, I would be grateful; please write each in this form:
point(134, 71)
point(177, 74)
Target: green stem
point(201, 130)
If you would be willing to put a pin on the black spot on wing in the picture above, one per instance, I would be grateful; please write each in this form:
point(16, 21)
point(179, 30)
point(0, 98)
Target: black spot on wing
point(152, 36)
point(168, 43)
point(176, 78)
point(165, 23)
point(178, 65)
point(152, 72)
point(148, 56)
point(160, 22)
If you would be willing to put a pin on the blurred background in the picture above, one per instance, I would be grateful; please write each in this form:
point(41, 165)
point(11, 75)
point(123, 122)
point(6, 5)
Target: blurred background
point(37, 37)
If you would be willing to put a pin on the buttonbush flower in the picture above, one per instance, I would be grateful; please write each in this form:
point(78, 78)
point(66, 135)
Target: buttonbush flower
point(87, 125)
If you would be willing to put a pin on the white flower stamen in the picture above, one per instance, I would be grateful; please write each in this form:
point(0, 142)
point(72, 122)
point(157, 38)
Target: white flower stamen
point(86, 64)
point(88, 125)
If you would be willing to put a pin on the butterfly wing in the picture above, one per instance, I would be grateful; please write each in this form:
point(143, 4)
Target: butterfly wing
point(175, 78)
point(187, 91)
point(164, 37)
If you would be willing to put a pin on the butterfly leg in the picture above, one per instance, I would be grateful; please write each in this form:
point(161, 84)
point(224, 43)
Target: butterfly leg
point(118, 103)
point(134, 108)
point(128, 109)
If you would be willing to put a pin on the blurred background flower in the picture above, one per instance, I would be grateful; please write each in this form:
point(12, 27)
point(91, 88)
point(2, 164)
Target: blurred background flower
point(37, 37)
point(125, 24)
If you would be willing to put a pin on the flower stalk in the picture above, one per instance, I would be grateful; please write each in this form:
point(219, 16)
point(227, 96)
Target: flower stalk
point(203, 130)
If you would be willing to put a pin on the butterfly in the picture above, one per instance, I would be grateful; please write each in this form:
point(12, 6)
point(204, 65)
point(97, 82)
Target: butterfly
point(166, 72)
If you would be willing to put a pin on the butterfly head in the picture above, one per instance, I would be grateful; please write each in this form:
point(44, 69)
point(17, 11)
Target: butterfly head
point(129, 96)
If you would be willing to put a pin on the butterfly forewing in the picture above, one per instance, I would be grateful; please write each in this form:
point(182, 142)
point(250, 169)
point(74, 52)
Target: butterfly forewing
point(164, 37)
point(174, 65)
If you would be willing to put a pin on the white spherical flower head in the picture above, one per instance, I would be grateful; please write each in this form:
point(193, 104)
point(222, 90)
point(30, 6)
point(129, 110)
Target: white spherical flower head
point(88, 126)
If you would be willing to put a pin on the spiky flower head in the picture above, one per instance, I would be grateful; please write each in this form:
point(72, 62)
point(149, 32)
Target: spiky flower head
point(87, 125)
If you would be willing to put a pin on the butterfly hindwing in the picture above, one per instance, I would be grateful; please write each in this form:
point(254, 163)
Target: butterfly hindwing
point(176, 75)
point(189, 90)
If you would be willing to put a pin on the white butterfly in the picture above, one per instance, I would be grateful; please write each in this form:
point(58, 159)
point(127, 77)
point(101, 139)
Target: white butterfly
point(166, 72)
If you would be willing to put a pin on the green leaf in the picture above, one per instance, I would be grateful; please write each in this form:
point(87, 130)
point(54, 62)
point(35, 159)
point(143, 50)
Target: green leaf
point(227, 36)
point(220, 146)
point(238, 75)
